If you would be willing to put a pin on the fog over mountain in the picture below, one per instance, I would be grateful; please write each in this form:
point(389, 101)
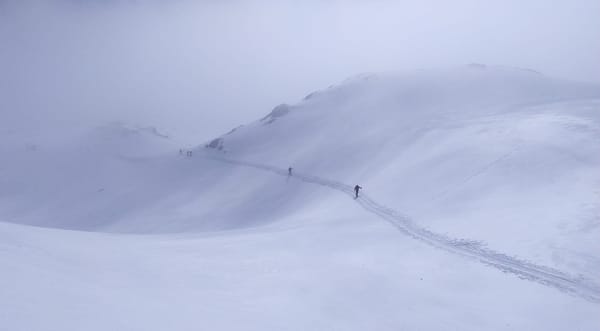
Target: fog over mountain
point(479, 189)
point(199, 67)
point(276, 165)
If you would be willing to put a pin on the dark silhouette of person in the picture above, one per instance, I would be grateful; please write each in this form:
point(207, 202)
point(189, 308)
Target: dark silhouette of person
point(356, 189)
point(289, 171)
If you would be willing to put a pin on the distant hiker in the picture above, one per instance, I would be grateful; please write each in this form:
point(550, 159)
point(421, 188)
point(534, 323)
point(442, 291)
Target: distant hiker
point(356, 188)
point(289, 171)
point(189, 153)
point(180, 151)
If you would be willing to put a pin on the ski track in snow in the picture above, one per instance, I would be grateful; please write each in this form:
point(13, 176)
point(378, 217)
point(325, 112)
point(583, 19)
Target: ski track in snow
point(573, 285)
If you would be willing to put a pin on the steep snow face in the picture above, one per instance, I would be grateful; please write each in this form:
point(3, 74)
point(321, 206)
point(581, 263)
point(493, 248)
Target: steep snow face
point(504, 156)
point(385, 107)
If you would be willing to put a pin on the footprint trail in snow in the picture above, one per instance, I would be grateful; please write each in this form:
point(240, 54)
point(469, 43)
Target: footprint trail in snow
point(574, 285)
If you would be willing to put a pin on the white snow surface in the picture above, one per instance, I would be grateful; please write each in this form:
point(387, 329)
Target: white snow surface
point(481, 211)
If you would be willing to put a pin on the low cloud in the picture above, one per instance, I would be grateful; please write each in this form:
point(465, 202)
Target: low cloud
point(198, 68)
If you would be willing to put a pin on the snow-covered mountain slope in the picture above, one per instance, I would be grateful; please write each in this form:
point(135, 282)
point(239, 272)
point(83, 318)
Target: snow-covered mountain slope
point(86, 179)
point(503, 158)
point(324, 272)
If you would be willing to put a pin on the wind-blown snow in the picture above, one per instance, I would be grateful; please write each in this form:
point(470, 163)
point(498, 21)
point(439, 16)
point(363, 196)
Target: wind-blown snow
point(504, 160)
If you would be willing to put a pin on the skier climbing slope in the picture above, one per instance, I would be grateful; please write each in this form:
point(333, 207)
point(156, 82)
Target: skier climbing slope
point(356, 189)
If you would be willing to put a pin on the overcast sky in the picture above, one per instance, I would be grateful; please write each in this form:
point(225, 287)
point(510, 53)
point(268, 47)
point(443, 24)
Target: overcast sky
point(198, 68)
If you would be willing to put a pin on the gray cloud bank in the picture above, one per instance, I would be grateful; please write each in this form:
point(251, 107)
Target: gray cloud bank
point(200, 67)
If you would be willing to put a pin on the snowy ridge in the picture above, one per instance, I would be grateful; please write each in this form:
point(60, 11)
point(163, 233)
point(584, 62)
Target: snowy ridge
point(557, 279)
